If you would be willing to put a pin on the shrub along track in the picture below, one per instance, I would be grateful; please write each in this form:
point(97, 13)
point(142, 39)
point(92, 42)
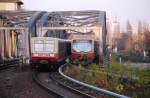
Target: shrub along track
point(75, 87)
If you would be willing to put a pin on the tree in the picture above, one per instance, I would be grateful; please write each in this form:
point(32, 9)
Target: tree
point(129, 43)
point(147, 41)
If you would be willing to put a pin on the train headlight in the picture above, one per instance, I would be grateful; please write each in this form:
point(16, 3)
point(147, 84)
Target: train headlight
point(35, 54)
point(52, 55)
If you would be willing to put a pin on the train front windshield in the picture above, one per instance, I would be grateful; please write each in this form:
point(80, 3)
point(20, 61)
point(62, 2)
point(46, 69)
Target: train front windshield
point(49, 46)
point(38, 46)
point(41, 46)
point(82, 45)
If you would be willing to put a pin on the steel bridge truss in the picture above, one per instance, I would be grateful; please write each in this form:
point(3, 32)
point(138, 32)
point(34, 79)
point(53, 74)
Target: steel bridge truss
point(34, 23)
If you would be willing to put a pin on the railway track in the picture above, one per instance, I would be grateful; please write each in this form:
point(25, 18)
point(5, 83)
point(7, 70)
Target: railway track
point(60, 91)
point(8, 64)
point(103, 92)
point(65, 87)
point(74, 86)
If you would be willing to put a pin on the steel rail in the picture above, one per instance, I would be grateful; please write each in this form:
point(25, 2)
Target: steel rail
point(70, 88)
point(54, 88)
point(90, 86)
point(35, 78)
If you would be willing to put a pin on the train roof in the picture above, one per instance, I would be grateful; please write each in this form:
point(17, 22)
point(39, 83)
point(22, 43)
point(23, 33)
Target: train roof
point(47, 38)
point(82, 36)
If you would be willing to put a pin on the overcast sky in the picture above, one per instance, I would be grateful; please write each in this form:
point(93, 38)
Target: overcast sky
point(134, 10)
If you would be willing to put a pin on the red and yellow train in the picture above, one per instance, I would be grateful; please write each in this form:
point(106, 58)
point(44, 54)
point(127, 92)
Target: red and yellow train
point(84, 45)
point(49, 51)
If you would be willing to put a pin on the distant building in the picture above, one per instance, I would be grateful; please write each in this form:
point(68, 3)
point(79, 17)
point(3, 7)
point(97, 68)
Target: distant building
point(10, 5)
point(109, 32)
point(116, 32)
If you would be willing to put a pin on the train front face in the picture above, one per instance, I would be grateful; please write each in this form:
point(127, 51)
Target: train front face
point(82, 48)
point(44, 50)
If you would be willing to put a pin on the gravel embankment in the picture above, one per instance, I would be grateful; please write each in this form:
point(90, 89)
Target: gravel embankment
point(19, 84)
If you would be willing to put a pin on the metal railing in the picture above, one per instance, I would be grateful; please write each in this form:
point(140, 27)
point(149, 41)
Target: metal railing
point(104, 91)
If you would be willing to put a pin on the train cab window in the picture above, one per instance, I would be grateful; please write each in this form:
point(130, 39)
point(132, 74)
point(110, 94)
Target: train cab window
point(49, 46)
point(38, 46)
point(82, 45)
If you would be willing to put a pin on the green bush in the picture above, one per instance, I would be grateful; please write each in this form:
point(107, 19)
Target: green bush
point(120, 78)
